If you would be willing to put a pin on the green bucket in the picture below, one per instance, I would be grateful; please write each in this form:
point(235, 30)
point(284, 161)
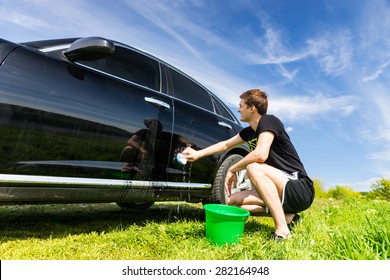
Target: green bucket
point(224, 223)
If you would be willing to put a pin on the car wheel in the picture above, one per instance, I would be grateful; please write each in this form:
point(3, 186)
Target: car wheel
point(218, 194)
point(136, 205)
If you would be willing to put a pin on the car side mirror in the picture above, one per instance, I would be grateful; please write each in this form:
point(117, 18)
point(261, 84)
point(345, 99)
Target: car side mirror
point(89, 49)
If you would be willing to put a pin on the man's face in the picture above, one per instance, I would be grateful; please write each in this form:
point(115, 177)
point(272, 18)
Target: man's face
point(244, 110)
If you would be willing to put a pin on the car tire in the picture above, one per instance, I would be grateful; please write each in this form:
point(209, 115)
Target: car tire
point(218, 194)
point(136, 205)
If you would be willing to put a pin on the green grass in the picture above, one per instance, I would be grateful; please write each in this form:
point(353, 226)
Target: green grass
point(331, 230)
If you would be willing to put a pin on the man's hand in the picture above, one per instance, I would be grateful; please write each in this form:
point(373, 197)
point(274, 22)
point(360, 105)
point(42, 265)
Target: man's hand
point(191, 154)
point(230, 180)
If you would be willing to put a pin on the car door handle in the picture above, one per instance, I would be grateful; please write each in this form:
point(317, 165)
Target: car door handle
point(225, 125)
point(158, 103)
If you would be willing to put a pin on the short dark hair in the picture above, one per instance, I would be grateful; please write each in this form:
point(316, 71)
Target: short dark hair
point(257, 98)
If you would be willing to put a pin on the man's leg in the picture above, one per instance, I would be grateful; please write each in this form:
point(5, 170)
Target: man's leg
point(249, 200)
point(269, 182)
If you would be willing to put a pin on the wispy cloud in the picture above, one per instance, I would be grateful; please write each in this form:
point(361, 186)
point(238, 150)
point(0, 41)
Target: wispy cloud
point(43, 18)
point(271, 48)
point(172, 18)
point(22, 19)
point(375, 30)
point(305, 108)
point(372, 73)
point(377, 73)
point(332, 54)
point(289, 75)
point(333, 51)
point(377, 128)
point(383, 155)
point(289, 129)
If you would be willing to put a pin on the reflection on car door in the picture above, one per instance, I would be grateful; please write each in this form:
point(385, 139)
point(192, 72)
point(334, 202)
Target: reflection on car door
point(71, 121)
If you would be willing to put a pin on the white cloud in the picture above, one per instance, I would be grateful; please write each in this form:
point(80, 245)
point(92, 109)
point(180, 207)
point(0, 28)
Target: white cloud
point(304, 108)
point(22, 19)
point(45, 19)
point(333, 51)
point(271, 48)
point(377, 73)
point(172, 19)
point(289, 75)
point(374, 30)
point(373, 76)
point(289, 129)
point(377, 128)
point(383, 155)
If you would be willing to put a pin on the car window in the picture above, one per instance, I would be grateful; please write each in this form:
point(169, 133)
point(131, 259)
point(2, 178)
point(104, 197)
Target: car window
point(189, 91)
point(221, 110)
point(129, 65)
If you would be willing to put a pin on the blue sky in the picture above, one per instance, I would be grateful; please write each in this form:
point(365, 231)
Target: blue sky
point(324, 64)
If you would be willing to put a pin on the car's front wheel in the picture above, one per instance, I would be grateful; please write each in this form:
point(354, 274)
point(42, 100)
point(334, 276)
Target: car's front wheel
point(218, 193)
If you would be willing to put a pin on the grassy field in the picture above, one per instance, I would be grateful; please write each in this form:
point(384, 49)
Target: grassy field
point(331, 230)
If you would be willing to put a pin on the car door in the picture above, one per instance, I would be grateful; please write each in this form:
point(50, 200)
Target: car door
point(197, 125)
point(99, 127)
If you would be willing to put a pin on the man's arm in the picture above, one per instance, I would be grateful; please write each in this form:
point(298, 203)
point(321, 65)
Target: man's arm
point(259, 154)
point(193, 155)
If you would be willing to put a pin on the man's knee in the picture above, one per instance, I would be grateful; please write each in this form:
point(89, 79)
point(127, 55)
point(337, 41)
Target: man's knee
point(256, 168)
point(256, 171)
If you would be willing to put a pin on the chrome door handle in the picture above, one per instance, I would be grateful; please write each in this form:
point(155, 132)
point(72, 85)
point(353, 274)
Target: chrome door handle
point(158, 103)
point(225, 125)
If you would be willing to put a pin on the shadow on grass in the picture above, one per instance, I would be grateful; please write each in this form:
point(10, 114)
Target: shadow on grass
point(55, 221)
point(256, 225)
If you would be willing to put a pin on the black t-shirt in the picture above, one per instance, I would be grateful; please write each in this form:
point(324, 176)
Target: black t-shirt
point(283, 154)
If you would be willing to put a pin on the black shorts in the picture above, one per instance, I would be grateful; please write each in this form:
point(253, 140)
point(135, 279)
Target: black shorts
point(298, 195)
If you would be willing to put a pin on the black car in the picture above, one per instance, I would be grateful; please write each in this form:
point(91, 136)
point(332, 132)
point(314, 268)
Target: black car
point(89, 120)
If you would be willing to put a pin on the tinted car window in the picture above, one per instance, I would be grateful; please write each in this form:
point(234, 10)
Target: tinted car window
point(187, 90)
point(129, 65)
point(221, 110)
